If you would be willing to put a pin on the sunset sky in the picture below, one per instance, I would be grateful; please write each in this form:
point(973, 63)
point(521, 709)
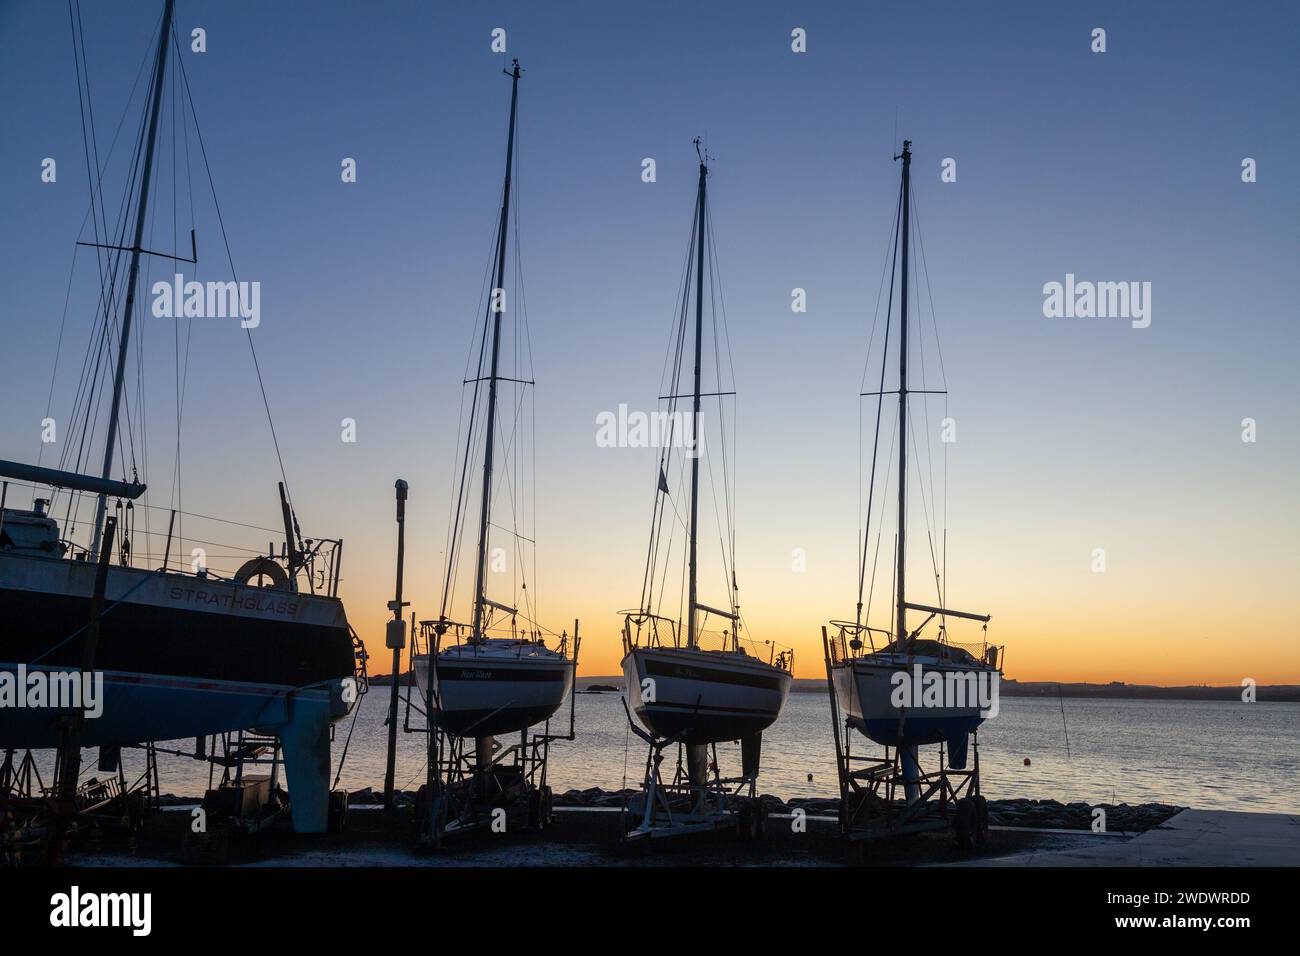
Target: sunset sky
point(1073, 434)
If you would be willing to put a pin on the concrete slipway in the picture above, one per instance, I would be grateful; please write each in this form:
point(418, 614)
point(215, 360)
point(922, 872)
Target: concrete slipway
point(1220, 838)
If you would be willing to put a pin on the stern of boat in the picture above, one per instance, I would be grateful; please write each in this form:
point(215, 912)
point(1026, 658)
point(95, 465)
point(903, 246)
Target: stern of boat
point(494, 686)
point(699, 695)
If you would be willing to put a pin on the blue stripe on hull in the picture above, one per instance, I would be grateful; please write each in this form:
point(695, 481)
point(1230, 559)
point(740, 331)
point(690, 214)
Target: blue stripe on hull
point(492, 723)
point(691, 727)
point(136, 709)
point(916, 731)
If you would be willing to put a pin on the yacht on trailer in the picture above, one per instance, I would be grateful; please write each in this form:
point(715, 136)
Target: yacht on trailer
point(493, 674)
point(183, 653)
point(686, 684)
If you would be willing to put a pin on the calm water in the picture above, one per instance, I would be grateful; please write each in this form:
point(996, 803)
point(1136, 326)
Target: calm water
point(1222, 755)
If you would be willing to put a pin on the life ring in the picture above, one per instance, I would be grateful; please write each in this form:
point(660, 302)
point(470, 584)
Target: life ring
point(262, 567)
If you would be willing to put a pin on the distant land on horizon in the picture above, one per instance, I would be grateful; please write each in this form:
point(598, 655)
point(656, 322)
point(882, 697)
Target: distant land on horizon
point(1115, 690)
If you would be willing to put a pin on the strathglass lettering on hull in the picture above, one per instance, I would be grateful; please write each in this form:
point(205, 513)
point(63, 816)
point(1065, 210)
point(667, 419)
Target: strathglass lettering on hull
point(241, 601)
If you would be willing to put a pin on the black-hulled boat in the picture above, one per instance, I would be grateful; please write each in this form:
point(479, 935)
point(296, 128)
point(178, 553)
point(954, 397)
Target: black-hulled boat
point(181, 654)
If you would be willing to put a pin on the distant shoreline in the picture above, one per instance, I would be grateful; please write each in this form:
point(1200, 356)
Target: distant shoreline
point(1116, 690)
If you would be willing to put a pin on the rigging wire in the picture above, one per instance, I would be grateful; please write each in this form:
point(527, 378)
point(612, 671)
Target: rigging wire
point(455, 528)
point(926, 507)
point(517, 443)
point(225, 239)
point(938, 345)
point(928, 495)
point(670, 385)
point(108, 261)
point(866, 534)
point(133, 453)
point(717, 305)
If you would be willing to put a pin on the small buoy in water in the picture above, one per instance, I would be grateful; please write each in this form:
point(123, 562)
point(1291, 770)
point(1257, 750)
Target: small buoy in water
point(810, 778)
point(1026, 761)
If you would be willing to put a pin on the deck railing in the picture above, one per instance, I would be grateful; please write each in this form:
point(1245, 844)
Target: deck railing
point(434, 636)
point(642, 629)
point(851, 640)
point(181, 542)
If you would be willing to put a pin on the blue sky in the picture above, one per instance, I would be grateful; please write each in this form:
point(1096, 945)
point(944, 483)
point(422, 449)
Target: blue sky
point(1073, 433)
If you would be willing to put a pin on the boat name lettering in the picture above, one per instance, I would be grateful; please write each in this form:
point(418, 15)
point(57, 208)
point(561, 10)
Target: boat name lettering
point(242, 601)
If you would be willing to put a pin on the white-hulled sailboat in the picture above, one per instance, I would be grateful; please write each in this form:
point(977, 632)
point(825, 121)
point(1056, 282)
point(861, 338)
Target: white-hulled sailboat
point(687, 685)
point(493, 674)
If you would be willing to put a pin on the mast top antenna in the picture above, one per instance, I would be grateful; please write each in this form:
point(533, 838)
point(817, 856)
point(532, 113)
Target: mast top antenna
point(906, 154)
point(702, 152)
point(514, 70)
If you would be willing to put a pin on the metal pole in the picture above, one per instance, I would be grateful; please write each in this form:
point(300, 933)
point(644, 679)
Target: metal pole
point(697, 757)
point(495, 308)
point(110, 440)
point(433, 746)
point(573, 693)
point(167, 551)
point(396, 639)
point(69, 756)
point(841, 767)
point(900, 632)
point(911, 769)
point(695, 421)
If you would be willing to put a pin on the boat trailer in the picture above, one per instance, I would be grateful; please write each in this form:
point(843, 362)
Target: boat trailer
point(666, 809)
point(34, 823)
point(459, 797)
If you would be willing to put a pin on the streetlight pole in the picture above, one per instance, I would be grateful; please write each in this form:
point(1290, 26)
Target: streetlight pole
point(395, 637)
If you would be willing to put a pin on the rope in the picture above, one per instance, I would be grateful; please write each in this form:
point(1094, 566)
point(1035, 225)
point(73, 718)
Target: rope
point(343, 757)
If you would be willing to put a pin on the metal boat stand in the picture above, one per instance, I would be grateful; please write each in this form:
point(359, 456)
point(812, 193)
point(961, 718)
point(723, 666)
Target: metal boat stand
point(28, 807)
point(509, 794)
point(240, 804)
point(677, 808)
point(872, 786)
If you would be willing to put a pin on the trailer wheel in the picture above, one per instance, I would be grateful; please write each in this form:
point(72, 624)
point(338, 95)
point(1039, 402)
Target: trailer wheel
point(981, 821)
point(548, 808)
point(536, 819)
point(964, 822)
point(747, 822)
point(855, 852)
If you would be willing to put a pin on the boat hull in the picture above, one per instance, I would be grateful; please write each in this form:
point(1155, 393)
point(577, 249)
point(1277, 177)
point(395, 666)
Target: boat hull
point(149, 707)
point(489, 696)
point(701, 697)
point(865, 694)
point(179, 657)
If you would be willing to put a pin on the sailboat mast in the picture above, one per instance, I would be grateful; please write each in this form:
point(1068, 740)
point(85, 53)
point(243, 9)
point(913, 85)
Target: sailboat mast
point(691, 637)
point(496, 305)
point(901, 626)
point(119, 374)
